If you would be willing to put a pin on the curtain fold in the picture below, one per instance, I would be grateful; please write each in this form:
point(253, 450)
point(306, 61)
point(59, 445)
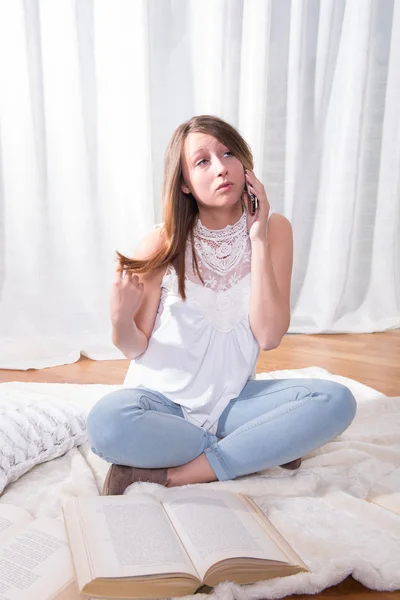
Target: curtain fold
point(90, 94)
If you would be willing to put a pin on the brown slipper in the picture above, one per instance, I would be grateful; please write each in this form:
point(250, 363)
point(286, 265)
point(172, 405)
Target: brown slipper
point(119, 478)
point(292, 465)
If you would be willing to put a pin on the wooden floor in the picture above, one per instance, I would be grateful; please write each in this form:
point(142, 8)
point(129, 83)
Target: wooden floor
point(372, 359)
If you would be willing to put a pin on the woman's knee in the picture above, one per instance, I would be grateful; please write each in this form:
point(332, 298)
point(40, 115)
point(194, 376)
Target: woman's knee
point(342, 403)
point(107, 419)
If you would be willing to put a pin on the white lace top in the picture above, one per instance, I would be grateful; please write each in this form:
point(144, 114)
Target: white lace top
point(202, 350)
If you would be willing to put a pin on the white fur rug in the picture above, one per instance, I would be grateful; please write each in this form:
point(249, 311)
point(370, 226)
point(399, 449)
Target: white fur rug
point(320, 509)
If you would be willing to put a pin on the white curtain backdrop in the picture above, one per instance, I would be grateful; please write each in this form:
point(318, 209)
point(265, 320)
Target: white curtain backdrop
point(91, 91)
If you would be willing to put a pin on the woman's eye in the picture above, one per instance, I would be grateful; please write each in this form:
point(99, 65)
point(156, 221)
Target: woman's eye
point(204, 159)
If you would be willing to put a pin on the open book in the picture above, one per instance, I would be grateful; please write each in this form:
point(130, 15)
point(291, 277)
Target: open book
point(137, 546)
point(386, 492)
point(35, 560)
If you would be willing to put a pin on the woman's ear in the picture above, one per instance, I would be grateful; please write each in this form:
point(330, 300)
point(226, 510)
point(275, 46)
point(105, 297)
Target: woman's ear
point(185, 188)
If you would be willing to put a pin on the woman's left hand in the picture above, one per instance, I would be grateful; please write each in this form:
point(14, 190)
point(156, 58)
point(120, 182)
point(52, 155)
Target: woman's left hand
point(257, 223)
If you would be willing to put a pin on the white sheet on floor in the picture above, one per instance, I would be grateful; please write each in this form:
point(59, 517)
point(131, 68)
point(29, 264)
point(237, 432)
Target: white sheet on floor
point(320, 509)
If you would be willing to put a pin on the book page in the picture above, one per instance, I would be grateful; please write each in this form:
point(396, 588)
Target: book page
point(12, 519)
point(36, 563)
point(128, 536)
point(216, 526)
point(386, 492)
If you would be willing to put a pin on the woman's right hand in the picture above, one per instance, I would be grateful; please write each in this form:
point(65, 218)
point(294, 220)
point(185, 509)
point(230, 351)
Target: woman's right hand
point(126, 297)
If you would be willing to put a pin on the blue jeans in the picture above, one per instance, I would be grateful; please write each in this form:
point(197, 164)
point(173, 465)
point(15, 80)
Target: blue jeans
point(270, 423)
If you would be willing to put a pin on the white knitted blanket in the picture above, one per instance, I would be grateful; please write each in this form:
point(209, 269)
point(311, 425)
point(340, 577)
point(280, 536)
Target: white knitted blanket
point(320, 509)
point(35, 428)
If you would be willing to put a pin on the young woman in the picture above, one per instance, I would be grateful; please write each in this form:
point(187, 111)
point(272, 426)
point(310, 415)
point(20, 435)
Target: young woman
point(204, 291)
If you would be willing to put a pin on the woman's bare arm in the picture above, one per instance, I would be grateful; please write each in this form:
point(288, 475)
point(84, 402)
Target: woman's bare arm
point(271, 269)
point(131, 335)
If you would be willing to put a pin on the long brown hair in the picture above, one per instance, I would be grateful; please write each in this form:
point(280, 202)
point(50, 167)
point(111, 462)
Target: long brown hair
point(180, 210)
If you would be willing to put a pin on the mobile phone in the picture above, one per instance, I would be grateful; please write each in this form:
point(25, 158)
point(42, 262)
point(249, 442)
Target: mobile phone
point(253, 200)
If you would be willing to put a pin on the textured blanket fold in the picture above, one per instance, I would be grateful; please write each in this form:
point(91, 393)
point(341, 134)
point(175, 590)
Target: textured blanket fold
point(35, 428)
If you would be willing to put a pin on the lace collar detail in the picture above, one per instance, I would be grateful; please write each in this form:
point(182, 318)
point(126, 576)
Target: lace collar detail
point(228, 231)
point(221, 251)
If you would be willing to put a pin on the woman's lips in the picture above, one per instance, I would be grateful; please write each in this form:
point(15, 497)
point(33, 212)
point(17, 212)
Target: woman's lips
point(224, 188)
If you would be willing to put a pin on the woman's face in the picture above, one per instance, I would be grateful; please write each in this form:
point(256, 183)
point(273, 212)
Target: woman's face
point(206, 164)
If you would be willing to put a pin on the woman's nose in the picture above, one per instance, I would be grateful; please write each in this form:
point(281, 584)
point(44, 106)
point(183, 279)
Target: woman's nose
point(220, 167)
